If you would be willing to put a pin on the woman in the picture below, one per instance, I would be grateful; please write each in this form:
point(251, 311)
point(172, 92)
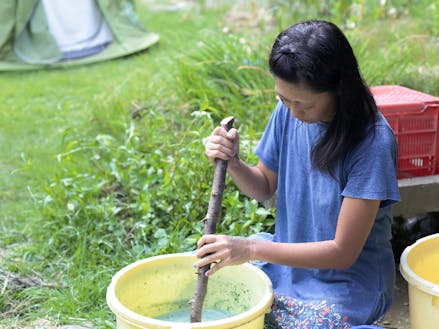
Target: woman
point(331, 157)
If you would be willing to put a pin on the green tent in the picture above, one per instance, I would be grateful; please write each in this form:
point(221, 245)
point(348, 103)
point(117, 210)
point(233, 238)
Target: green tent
point(26, 41)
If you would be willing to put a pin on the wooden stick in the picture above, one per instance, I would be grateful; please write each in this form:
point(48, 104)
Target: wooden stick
point(210, 222)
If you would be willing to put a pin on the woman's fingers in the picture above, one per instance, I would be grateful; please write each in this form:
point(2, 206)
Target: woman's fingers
point(219, 145)
point(215, 268)
point(222, 144)
point(217, 150)
point(206, 239)
point(223, 250)
point(210, 249)
point(210, 245)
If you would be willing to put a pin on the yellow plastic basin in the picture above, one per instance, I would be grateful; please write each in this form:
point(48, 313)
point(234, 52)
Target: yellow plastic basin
point(420, 268)
point(149, 288)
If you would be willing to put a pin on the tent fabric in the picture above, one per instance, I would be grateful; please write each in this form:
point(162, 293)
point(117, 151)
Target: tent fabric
point(79, 27)
point(26, 42)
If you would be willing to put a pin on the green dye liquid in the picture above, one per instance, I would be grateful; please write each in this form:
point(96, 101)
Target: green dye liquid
point(185, 315)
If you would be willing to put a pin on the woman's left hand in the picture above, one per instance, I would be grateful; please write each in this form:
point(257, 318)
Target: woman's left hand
point(223, 250)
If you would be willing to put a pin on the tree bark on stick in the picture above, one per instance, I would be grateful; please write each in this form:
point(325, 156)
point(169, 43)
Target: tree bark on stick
point(210, 222)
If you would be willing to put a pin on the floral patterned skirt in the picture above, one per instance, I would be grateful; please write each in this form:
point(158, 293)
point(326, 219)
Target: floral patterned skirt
point(290, 313)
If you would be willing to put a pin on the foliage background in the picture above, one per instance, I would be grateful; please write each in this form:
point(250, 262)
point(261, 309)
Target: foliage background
point(103, 165)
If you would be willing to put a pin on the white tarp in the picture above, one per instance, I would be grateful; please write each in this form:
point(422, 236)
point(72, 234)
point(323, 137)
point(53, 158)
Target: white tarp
point(78, 27)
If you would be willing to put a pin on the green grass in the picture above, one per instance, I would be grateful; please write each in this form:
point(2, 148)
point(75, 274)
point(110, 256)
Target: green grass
point(103, 165)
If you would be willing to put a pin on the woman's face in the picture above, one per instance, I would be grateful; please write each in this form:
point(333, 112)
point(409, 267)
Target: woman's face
point(305, 104)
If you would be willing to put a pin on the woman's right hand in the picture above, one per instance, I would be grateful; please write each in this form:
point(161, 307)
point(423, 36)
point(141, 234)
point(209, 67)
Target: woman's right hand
point(222, 144)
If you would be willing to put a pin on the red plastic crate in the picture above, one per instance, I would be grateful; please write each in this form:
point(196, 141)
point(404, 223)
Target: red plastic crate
point(414, 118)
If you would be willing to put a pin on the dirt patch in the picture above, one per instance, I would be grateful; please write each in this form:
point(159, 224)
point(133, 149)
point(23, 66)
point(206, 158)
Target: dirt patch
point(9, 280)
point(10, 283)
point(398, 316)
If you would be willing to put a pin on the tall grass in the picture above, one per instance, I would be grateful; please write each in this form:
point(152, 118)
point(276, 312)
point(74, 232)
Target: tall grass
point(103, 165)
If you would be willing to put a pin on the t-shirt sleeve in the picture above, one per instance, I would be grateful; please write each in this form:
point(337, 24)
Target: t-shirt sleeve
point(268, 147)
point(371, 168)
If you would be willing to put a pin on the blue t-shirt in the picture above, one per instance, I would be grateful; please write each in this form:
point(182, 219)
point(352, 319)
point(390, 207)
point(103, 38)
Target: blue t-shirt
point(308, 205)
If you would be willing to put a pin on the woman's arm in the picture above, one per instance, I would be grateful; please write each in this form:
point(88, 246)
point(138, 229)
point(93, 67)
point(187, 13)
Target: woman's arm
point(257, 182)
point(355, 222)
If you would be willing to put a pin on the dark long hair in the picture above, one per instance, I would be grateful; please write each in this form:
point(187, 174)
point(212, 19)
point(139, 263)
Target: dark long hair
point(318, 55)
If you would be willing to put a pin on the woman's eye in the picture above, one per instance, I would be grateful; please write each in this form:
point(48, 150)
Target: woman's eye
point(295, 104)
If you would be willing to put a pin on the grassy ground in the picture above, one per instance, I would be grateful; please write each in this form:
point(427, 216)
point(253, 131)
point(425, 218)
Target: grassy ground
point(102, 165)
point(44, 112)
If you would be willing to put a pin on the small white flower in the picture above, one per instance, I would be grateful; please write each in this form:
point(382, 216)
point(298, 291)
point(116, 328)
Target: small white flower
point(392, 11)
point(351, 24)
point(70, 206)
